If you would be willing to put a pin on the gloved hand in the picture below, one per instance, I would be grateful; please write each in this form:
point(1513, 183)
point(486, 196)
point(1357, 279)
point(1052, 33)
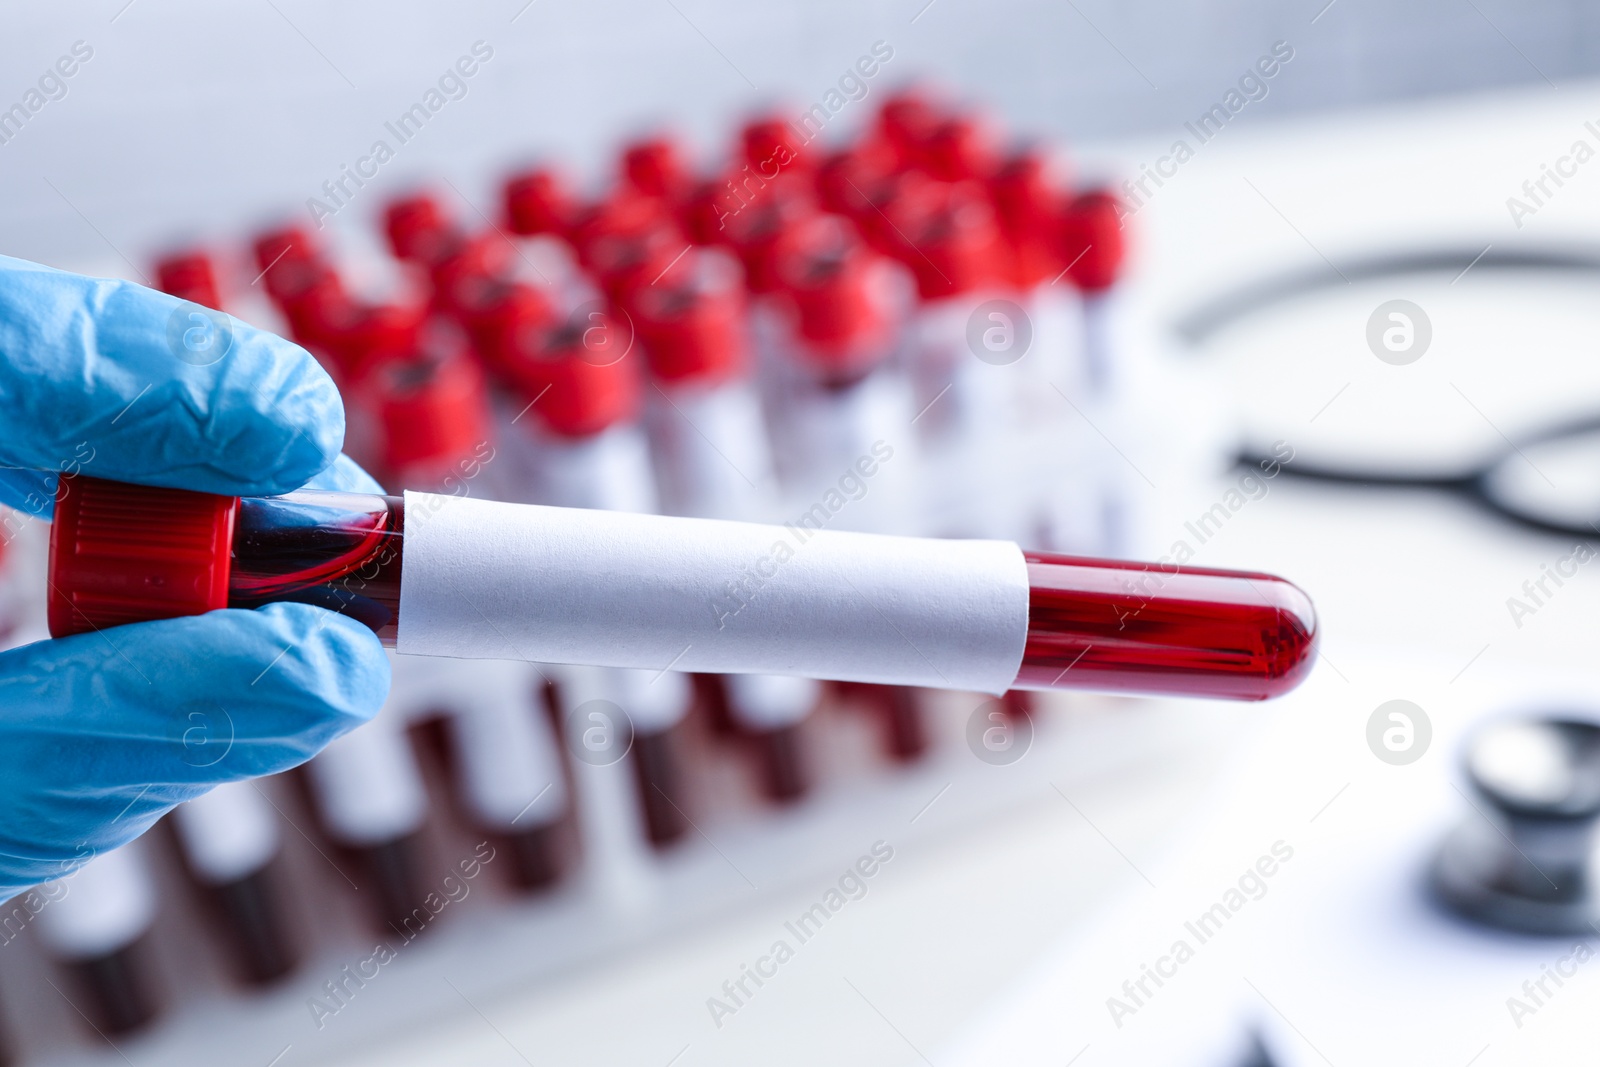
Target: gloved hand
point(102, 733)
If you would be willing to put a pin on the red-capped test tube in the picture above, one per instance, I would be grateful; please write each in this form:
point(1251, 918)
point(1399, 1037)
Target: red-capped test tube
point(367, 786)
point(453, 576)
point(231, 849)
point(713, 460)
point(655, 167)
point(229, 837)
point(97, 927)
point(842, 426)
point(1093, 248)
point(580, 445)
point(966, 338)
point(434, 433)
point(371, 801)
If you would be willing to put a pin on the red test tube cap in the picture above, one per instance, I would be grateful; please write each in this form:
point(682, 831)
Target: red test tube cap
point(760, 231)
point(313, 299)
point(189, 276)
point(961, 148)
point(692, 324)
point(704, 213)
point(1092, 242)
point(577, 378)
point(851, 181)
point(655, 167)
point(625, 261)
point(456, 260)
point(416, 227)
point(826, 274)
point(431, 413)
point(132, 553)
point(284, 244)
point(773, 146)
point(948, 237)
point(622, 214)
point(495, 312)
point(538, 201)
point(1028, 210)
point(906, 122)
point(374, 335)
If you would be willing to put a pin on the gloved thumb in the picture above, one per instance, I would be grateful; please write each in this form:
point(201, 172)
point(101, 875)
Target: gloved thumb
point(104, 732)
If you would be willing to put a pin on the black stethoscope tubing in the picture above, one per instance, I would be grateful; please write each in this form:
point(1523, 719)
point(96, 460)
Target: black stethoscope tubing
point(1204, 322)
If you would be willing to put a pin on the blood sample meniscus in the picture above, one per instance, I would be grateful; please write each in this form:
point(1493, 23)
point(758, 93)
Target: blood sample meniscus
point(454, 576)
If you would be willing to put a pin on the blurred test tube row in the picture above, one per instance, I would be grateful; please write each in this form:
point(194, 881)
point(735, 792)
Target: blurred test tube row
point(868, 337)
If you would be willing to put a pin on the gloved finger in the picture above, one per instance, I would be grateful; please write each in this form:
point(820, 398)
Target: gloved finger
point(104, 732)
point(347, 476)
point(34, 492)
point(112, 379)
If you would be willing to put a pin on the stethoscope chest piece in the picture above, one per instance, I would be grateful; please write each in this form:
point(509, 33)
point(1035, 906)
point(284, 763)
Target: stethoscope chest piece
point(1524, 859)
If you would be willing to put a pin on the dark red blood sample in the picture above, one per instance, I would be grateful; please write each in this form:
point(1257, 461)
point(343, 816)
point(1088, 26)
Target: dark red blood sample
point(1155, 628)
point(341, 552)
point(825, 272)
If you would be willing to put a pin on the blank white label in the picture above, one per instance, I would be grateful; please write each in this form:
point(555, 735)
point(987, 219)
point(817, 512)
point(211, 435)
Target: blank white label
point(486, 580)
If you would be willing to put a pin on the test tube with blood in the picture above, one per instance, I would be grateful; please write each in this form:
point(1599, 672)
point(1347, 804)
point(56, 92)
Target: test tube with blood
point(480, 579)
point(370, 800)
point(964, 340)
point(432, 414)
point(1093, 246)
point(582, 447)
point(366, 786)
point(844, 434)
point(713, 460)
point(1027, 206)
point(95, 923)
point(540, 210)
point(231, 845)
point(229, 837)
point(1094, 501)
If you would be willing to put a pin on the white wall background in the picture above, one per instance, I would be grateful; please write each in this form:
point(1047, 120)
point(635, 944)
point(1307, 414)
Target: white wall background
point(200, 118)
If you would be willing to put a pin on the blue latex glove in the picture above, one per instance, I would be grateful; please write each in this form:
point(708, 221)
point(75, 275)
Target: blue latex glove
point(102, 733)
